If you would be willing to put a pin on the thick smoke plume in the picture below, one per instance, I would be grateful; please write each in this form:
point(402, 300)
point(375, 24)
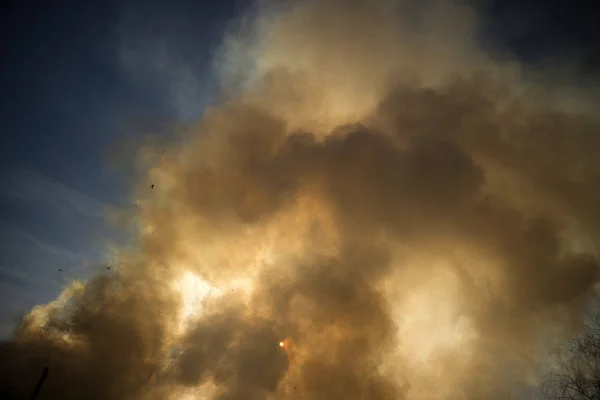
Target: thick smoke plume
point(375, 210)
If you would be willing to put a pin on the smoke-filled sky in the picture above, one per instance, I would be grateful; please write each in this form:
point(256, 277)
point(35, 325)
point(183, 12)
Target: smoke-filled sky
point(78, 79)
point(345, 199)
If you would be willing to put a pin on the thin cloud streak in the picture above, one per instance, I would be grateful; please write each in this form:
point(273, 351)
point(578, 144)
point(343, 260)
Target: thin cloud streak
point(14, 278)
point(32, 186)
point(16, 232)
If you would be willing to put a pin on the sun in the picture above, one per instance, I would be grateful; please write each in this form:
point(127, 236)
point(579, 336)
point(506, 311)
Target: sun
point(284, 344)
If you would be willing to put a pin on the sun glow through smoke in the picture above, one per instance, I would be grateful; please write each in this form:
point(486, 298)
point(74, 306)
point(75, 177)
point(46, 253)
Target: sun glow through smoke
point(194, 291)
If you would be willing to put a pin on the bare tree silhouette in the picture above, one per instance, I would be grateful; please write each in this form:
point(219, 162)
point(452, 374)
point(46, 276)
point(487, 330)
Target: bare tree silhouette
point(577, 370)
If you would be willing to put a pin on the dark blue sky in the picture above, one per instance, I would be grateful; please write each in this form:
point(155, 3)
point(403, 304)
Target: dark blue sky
point(77, 76)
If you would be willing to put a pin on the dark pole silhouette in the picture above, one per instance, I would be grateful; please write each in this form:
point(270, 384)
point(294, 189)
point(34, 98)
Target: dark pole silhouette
point(40, 383)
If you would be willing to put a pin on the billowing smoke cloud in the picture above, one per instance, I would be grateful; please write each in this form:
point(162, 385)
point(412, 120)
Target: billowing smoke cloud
point(376, 211)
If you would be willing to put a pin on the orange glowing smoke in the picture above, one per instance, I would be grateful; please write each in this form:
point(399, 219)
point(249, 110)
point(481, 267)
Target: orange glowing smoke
point(284, 344)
